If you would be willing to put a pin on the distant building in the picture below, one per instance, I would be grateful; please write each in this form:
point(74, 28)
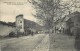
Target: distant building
point(76, 22)
point(25, 27)
point(69, 24)
point(72, 23)
point(20, 27)
point(19, 24)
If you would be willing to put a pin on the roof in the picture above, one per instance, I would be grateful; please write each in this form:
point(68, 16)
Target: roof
point(67, 18)
point(72, 15)
point(8, 24)
point(31, 25)
point(20, 15)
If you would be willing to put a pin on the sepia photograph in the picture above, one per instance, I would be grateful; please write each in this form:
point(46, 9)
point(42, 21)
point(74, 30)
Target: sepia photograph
point(39, 25)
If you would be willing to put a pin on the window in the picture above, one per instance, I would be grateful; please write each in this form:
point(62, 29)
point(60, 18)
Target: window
point(20, 21)
point(20, 26)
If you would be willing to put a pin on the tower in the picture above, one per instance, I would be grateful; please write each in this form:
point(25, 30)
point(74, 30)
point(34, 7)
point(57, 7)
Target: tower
point(20, 24)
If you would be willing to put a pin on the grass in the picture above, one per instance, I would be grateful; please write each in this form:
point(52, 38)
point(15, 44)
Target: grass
point(62, 42)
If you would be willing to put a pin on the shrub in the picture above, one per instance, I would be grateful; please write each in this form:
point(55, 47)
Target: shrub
point(12, 34)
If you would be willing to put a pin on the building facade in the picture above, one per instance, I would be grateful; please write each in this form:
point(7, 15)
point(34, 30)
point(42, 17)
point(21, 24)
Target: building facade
point(19, 24)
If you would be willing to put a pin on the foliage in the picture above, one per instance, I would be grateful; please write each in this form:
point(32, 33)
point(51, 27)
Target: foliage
point(48, 9)
point(12, 34)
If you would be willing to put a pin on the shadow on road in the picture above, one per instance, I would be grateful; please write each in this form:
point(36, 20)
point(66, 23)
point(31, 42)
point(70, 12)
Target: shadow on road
point(77, 40)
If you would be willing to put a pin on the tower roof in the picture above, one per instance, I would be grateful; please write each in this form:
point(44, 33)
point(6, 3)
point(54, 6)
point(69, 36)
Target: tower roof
point(20, 15)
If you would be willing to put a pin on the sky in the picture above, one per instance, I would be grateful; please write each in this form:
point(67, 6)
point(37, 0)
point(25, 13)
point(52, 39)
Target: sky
point(9, 9)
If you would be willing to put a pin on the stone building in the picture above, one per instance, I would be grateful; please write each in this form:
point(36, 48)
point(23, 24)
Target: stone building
point(19, 24)
point(25, 27)
point(76, 22)
point(20, 27)
point(71, 23)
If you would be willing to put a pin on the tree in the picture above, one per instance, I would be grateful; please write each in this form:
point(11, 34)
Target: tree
point(47, 10)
